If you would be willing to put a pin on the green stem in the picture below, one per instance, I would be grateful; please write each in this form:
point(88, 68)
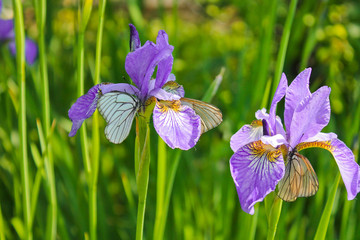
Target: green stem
point(80, 78)
point(48, 158)
point(160, 186)
point(142, 157)
point(325, 217)
point(20, 65)
point(283, 45)
point(273, 205)
point(96, 138)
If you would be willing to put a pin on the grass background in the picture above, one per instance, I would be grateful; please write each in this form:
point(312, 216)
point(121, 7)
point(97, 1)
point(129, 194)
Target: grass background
point(242, 36)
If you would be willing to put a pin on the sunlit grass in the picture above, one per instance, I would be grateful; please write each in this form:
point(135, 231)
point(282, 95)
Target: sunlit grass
point(196, 194)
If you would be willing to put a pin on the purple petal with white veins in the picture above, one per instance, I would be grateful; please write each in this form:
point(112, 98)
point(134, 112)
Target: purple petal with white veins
point(176, 124)
point(295, 93)
point(134, 38)
point(83, 108)
point(6, 29)
point(310, 117)
point(279, 94)
point(246, 134)
point(256, 168)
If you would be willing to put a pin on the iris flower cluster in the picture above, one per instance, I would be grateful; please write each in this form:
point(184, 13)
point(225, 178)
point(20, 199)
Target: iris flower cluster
point(267, 156)
point(7, 36)
point(179, 121)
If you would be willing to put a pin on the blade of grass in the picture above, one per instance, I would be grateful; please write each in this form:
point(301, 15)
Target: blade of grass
point(325, 217)
point(51, 228)
point(283, 45)
point(20, 63)
point(96, 139)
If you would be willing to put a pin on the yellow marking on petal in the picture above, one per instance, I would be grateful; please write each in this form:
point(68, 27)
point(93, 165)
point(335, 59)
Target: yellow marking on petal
point(260, 149)
point(165, 106)
point(171, 85)
point(325, 145)
point(256, 123)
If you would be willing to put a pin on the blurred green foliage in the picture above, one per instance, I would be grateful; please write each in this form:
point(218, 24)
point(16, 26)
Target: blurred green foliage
point(207, 35)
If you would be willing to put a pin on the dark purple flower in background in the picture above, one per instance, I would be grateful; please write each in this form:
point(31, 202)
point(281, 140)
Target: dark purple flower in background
point(179, 121)
point(266, 156)
point(7, 35)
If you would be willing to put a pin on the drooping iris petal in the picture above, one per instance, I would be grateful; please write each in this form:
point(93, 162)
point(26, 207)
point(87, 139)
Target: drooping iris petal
point(83, 108)
point(176, 124)
point(320, 137)
point(141, 63)
point(256, 169)
point(246, 134)
point(134, 38)
point(349, 169)
point(279, 94)
point(6, 29)
point(295, 93)
point(310, 117)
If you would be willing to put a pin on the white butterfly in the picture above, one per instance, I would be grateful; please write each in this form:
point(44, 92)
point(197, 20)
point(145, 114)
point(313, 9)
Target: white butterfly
point(119, 110)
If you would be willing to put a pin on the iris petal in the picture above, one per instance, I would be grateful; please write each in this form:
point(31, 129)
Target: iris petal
point(6, 29)
point(176, 124)
point(246, 134)
point(279, 94)
point(296, 92)
point(141, 63)
point(134, 38)
point(83, 108)
point(310, 117)
point(256, 169)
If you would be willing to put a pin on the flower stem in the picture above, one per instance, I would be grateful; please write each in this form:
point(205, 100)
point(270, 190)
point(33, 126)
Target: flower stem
point(48, 158)
point(95, 130)
point(273, 205)
point(142, 158)
point(20, 65)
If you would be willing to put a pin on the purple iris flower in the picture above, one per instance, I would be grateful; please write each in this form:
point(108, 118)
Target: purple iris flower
point(174, 117)
point(7, 34)
point(266, 156)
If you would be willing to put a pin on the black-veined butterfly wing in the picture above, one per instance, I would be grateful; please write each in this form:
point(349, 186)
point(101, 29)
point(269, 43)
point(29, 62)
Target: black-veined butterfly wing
point(300, 179)
point(119, 110)
point(210, 115)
